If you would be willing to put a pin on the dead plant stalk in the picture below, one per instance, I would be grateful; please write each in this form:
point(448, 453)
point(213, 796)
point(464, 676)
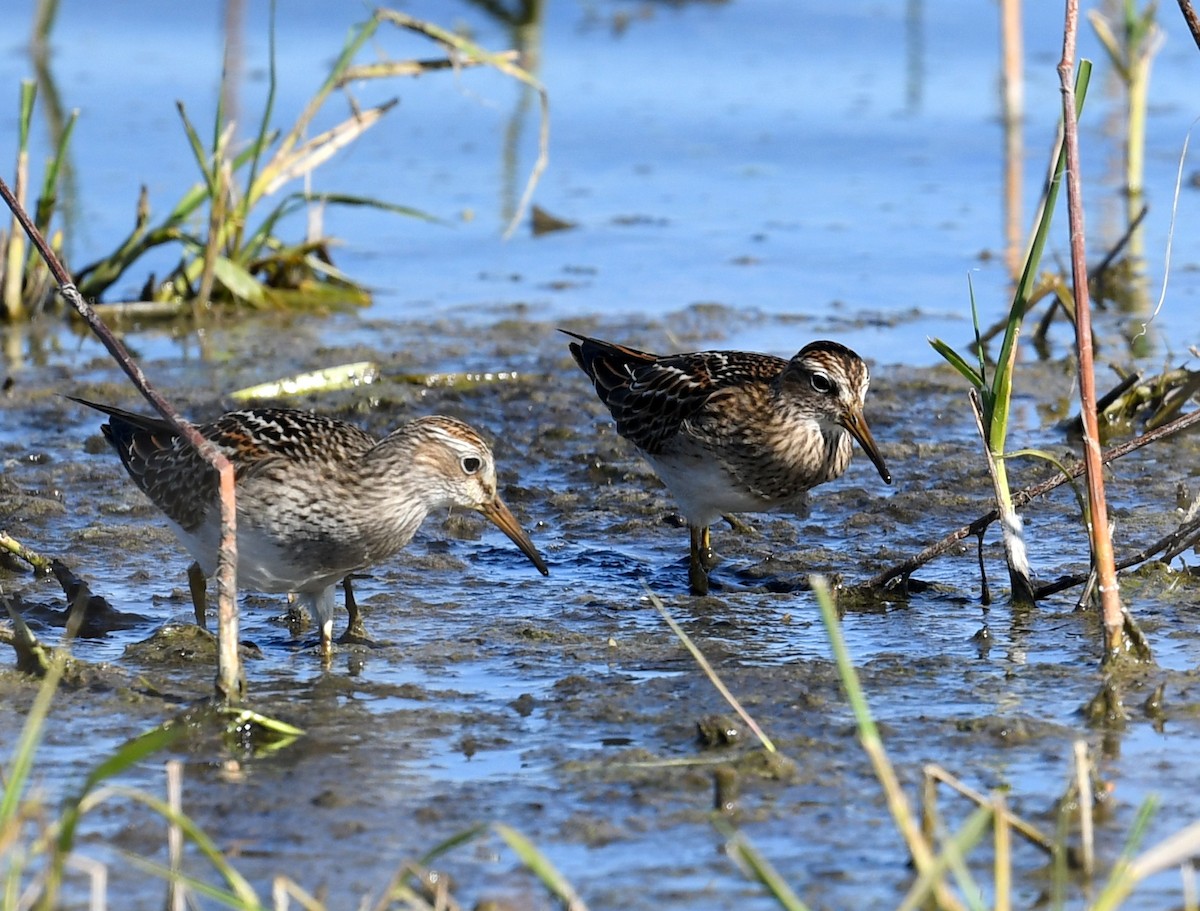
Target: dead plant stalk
point(1101, 539)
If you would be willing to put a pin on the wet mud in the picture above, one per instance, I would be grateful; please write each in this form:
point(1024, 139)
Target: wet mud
point(565, 707)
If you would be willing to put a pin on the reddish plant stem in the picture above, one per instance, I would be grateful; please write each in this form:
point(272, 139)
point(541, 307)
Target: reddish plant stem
point(1192, 20)
point(1102, 551)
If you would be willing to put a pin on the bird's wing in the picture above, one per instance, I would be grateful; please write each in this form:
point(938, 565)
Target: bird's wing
point(652, 397)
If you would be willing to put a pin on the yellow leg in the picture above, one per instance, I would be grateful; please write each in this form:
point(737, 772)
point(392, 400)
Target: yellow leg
point(198, 586)
point(327, 642)
point(708, 558)
point(701, 554)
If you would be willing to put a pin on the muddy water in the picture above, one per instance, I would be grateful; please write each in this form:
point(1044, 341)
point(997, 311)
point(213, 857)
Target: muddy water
point(563, 706)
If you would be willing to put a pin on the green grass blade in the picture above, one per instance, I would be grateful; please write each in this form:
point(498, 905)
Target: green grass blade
point(207, 167)
point(454, 841)
point(128, 754)
point(872, 744)
point(240, 283)
point(841, 656)
point(349, 199)
point(952, 857)
point(28, 95)
point(1002, 381)
point(31, 733)
point(255, 244)
point(978, 332)
point(1058, 463)
point(541, 867)
point(260, 145)
point(237, 883)
point(49, 195)
point(1125, 874)
point(131, 752)
point(226, 897)
point(958, 362)
point(746, 856)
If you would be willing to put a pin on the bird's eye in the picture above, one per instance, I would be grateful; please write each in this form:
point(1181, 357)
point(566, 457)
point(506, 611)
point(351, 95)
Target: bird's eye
point(471, 464)
point(822, 383)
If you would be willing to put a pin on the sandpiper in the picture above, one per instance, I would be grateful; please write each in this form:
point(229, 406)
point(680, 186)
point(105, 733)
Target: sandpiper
point(317, 498)
point(734, 431)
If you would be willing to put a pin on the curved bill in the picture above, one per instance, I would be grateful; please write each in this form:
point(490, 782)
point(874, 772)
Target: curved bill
point(854, 421)
point(507, 523)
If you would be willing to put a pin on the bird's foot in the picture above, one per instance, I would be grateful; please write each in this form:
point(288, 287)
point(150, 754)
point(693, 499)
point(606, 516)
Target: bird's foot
point(356, 634)
point(698, 578)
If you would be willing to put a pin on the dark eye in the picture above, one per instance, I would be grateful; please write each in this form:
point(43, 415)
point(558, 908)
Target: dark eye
point(822, 383)
point(471, 464)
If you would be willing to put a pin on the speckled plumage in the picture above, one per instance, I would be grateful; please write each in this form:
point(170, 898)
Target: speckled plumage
point(734, 431)
point(317, 498)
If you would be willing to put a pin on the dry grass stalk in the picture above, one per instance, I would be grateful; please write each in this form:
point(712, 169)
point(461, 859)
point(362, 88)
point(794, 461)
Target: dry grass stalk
point(1028, 830)
point(502, 62)
point(902, 570)
point(1013, 95)
point(1083, 784)
point(283, 889)
point(712, 674)
point(1002, 842)
point(176, 892)
point(15, 248)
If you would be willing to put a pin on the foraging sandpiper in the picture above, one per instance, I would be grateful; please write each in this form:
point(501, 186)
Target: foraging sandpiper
point(317, 498)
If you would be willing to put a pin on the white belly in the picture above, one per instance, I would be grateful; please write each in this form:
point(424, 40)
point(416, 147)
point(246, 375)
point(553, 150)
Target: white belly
point(704, 490)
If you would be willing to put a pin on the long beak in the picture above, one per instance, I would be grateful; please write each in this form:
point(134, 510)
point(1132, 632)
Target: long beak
point(854, 421)
point(507, 523)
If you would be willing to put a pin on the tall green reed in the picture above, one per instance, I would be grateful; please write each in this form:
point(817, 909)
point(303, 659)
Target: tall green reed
point(992, 396)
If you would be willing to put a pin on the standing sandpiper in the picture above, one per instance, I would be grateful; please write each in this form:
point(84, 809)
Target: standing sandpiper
point(733, 431)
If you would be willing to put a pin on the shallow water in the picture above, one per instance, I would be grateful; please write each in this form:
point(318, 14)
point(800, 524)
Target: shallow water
point(722, 202)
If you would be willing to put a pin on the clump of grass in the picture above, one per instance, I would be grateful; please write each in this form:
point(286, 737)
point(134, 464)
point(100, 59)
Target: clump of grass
point(228, 226)
point(239, 257)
